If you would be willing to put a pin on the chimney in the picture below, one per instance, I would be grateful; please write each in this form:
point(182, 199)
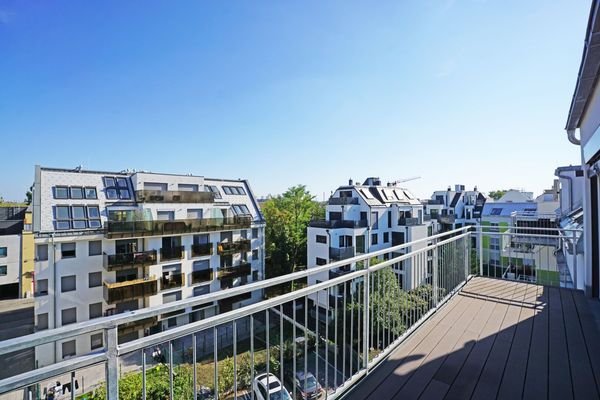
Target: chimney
point(350, 182)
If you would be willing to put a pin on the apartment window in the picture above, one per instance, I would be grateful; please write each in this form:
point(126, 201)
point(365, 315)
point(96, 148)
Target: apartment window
point(68, 349)
point(3, 251)
point(116, 188)
point(41, 251)
point(95, 248)
point(79, 219)
point(96, 341)
point(42, 322)
point(234, 190)
point(93, 213)
point(194, 213)
point(68, 316)
point(41, 287)
point(254, 233)
point(95, 279)
point(321, 261)
point(213, 189)
point(95, 310)
point(374, 239)
point(386, 237)
point(200, 290)
point(254, 276)
point(241, 209)
point(171, 297)
point(90, 193)
point(3, 270)
point(112, 194)
point(62, 216)
point(61, 192)
point(244, 234)
point(165, 215)
point(255, 255)
point(67, 250)
point(375, 220)
point(496, 211)
point(321, 239)
point(76, 192)
point(185, 187)
point(68, 283)
point(389, 220)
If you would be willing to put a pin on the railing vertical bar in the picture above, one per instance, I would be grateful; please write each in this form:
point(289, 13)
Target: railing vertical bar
point(351, 336)
point(365, 335)
point(305, 338)
point(575, 282)
point(335, 340)
point(281, 342)
point(112, 363)
point(72, 385)
point(252, 354)
point(327, 293)
point(144, 374)
point(194, 369)
point(171, 372)
point(480, 246)
point(294, 344)
point(268, 351)
point(235, 377)
point(216, 364)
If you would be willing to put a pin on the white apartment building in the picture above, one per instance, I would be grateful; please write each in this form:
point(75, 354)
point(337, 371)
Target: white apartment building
point(111, 242)
point(365, 218)
point(450, 209)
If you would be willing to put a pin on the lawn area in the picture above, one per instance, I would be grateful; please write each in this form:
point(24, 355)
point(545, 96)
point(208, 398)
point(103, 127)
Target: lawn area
point(547, 277)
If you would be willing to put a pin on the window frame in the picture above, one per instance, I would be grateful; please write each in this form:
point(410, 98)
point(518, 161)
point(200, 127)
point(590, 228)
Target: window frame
point(74, 250)
point(63, 280)
point(55, 194)
point(99, 253)
point(96, 284)
point(90, 188)
point(5, 268)
point(73, 189)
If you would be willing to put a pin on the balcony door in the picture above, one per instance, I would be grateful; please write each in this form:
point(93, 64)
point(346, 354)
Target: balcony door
point(170, 242)
point(126, 246)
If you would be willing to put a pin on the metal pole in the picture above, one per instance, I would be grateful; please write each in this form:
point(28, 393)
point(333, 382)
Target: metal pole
point(480, 251)
point(171, 368)
point(575, 283)
point(195, 383)
point(143, 374)
point(112, 363)
point(365, 335)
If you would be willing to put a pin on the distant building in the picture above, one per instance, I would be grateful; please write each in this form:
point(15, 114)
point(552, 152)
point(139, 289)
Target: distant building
point(451, 209)
point(111, 242)
point(16, 253)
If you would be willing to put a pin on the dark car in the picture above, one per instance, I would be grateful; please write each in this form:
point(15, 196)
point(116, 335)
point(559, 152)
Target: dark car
point(307, 387)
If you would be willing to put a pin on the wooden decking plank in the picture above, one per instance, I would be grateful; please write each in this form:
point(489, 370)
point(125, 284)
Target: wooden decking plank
point(465, 382)
point(536, 380)
point(435, 390)
point(559, 371)
point(489, 381)
point(511, 386)
point(590, 332)
point(584, 386)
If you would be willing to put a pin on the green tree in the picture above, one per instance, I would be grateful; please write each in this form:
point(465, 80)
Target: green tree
point(28, 196)
point(287, 217)
point(496, 194)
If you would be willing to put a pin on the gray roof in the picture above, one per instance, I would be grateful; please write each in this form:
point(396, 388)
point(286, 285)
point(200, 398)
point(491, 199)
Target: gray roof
point(506, 209)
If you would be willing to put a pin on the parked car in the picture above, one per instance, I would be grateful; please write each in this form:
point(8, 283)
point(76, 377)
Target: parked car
point(307, 387)
point(275, 389)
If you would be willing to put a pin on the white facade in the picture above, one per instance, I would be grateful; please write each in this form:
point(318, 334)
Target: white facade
point(10, 260)
point(451, 209)
point(362, 219)
point(174, 251)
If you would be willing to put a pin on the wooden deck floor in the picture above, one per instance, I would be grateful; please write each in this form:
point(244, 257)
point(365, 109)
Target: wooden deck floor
point(496, 339)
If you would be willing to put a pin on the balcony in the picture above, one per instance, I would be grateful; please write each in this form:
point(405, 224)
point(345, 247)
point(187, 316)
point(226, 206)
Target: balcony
point(337, 272)
point(115, 262)
point(174, 196)
point(228, 248)
point(130, 290)
point(335, 224)
point(446, 219)
point(124, 229)
point(408, 221)
point(233, 272)
point(171, 253)
point(203, 249)
point(343, 201)
point(201, 276)
point(172, 281)
point(135, 326)
point(336, 254)
point(426, 217)
point(226, 305)
point(233, 282)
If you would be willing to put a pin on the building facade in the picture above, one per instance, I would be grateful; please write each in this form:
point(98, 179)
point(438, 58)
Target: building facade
point(451, 209)
point(111, 242)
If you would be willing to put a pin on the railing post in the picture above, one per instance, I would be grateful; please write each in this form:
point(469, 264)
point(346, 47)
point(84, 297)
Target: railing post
point(366, 333)
point(480, 245)
point(574, 260)
point(112, 363)
point(434, 271)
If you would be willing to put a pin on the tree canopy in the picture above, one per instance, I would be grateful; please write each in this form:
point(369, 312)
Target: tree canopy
point(496, 194)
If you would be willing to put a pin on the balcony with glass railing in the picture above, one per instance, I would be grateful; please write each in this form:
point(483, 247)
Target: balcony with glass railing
point(243, 269)
point(124, 229)
point(130, 290)
point(228, 248)
point(120, 261)
point(407, 221)
point(343, 201)
point(473, 319)
point(201, 276)
point(336, 254)
point(202, 249)
point(171, 253)
point(335, 224)
point(173, 196)
point(172, 281)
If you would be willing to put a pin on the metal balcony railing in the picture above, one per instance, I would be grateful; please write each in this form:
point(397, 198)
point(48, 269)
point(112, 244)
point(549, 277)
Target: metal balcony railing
point(347, 324)
point(171, 253)
point(343, 201)
point(130, 290)
point(446, 218)
point(113, 262)
point(334, 224)
point(203, 249)
point(172, 281)
point(232, 272)
point(408, 221)
point(122, 229)
point(204, 275)
point(173, 196)
point(227, 248)
point(336, 254)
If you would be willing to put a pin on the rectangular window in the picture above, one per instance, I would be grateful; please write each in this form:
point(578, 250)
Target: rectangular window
point(124, 194)
point(389, 220)
point(67, 250)
point(62, 213)
point(96, 341)
point(95, 310)
point(95, 279)
point(42, 322)
point(194, 213)
point(67, 283)
point(213, 189)
point(109, 182)
point(122, 182)
point(61, 192)
point(3, 251)
point(68, 349)
point(254, 233)
point(165, 215)
point(200, 290)
point(227, 190)
point(255, 255)
point(186, 187)
point(374, 239)
point(171, 297)
point(374, 220)
point(386, 237)
point(3, 270)
point(241, 209)
point(321, 261)
point(68, 316)
point(244, 234)
point(321, 239)
point(111, 194)
point(90, 193)
point(95, 248)
point(41, 251)
point(41, 287)
point(93, 212)
point(76, 192)
point(78, 212)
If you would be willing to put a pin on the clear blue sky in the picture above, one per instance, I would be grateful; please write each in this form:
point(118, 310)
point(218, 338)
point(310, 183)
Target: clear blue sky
point(283, 92)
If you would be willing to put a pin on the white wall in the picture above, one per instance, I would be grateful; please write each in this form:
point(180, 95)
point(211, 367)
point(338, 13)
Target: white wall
point(12, 259)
